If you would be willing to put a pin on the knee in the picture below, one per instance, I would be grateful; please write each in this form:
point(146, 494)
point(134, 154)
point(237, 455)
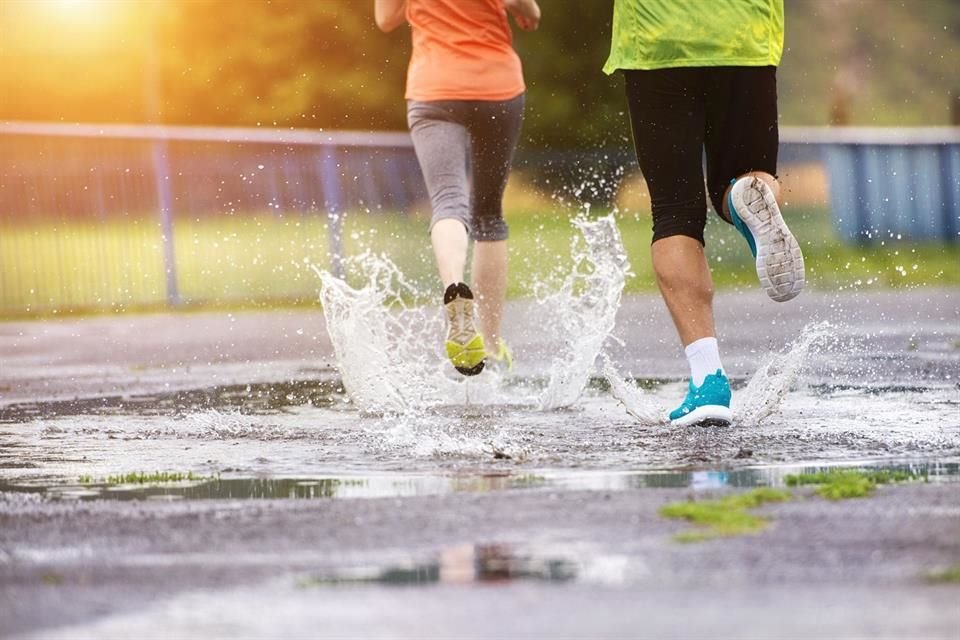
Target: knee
point(489, 229)
point(679, 264)
point(684, 219)
point(450, 196)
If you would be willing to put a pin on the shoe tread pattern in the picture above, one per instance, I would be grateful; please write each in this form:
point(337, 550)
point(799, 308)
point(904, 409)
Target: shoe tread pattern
point(464, 344)
point(780, 266)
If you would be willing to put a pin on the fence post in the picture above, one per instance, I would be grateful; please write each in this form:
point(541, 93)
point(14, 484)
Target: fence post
point(161, 173)
point(333, 203)
point(161, 161)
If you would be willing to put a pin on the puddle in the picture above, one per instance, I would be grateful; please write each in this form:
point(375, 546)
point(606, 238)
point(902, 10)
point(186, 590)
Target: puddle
point(282, 397)
point(468, 563)
point(347, 487)
point(253, 399)
point(310, 430)
point(259, 399)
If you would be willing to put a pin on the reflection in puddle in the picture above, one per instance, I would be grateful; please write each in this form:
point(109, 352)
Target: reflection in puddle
point(401, 485)
point(469, 563)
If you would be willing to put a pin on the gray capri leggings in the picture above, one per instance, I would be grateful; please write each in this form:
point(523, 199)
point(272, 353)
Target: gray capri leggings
point(463, 141)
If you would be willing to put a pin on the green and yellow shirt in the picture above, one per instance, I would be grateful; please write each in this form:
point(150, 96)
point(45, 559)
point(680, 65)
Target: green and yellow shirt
point(659, 34)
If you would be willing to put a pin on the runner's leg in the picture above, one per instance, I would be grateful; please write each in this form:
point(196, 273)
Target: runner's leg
point(494, 131)
point(441, 142)
point(667, 117)
point(442, 146)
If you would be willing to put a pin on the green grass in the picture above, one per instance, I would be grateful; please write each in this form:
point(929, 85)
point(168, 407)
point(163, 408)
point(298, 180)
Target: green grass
point(51, 579)
point(119, 265)
point(831, 264)
point(540, 246)
point(950, 575)
point(142, 477)
point(843, 484)
point(263, 259)
point(724, 517)
point(730, 516)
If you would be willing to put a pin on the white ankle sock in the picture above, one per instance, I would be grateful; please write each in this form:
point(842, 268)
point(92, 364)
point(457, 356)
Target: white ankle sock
point(703, 356)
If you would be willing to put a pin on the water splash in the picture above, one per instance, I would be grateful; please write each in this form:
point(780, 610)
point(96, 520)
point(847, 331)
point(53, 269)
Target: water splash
point(462, 437)
point(385, 344)
point(760, 399)
point(582, 310)
point(638, 404)
point(212, 424)
point(386, 333)
point(776, 375)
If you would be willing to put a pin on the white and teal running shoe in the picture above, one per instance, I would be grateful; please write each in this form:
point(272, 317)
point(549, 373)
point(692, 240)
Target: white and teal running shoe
point(706, 405)
point(755, 214)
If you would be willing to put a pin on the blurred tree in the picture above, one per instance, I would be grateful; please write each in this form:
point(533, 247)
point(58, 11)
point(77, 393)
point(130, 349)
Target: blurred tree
point(283, 63)
point(323, 64)
point(58, 62)
point(889, 63)
point(570, 101)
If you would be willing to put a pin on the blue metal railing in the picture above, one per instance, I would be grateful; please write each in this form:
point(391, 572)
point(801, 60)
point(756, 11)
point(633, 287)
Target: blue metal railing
point(90, 173)
point(901, 183)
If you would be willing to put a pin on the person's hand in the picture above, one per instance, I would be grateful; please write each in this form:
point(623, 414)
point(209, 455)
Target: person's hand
point(526, 13)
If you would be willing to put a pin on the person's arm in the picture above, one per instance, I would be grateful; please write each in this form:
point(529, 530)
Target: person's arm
point(526, 13)
point(389, 14)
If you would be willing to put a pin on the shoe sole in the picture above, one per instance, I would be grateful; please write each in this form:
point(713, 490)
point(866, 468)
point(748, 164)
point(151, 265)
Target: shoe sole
point(710, 415)
point(472, 371)
point(779, 258)
point(467, 357)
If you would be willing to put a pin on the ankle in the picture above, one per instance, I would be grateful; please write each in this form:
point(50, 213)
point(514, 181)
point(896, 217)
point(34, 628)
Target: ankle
point(703, 356)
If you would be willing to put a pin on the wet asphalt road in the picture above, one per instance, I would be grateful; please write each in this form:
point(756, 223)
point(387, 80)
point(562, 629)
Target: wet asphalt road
point(909, 336)
point(244, 569)
point(523, 562)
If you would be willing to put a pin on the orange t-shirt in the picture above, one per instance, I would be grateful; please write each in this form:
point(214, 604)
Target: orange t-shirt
point(462, 50)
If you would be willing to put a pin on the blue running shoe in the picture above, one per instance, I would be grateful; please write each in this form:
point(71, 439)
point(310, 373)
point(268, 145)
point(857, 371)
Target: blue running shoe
point(756, 215)
point(708, 404)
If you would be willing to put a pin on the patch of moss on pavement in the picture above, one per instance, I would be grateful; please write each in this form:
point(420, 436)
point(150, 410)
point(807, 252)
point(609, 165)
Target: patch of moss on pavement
point(724, 517)
point(951, 575)
point(843, 484)
point(142, 477)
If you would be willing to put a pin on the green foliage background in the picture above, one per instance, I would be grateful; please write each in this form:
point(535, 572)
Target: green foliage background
point(323, 64)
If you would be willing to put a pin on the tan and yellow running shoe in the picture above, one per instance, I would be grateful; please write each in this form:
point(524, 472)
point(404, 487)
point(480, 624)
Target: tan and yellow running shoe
point(465, 347)
point(502, 359)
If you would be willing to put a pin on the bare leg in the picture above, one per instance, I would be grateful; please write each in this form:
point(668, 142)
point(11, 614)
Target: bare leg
point(772, 182)
point(686, 286)
point(493, 134)
point(449, 238)
point(489, 274)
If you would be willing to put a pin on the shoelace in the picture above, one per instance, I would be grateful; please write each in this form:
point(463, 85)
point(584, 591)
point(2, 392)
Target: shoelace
point(460, 321)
